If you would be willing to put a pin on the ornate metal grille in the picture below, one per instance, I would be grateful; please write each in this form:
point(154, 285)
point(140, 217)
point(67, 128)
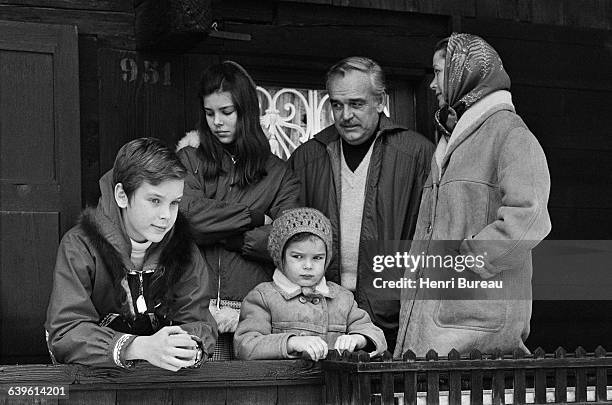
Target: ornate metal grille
point(290, 117)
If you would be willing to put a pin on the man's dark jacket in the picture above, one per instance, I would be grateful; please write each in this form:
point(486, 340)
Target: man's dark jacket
point(399, 166)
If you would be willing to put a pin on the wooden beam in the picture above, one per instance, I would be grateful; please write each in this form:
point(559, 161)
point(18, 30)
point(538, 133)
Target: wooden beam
point(99, 5)
point(587, 13)
point(143, 375)
point(402, 23)
point(261, 11)
point(112, 27)
point(408, 49)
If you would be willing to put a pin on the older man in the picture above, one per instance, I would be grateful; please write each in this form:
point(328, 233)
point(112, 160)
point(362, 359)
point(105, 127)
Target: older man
point(366, 174)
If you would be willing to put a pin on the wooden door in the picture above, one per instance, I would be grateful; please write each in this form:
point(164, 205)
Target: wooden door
point(40, 170)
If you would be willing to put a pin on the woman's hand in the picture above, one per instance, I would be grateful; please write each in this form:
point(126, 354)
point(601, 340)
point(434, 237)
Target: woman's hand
point(170, 348)
point(227, 319)
point(313, 345)
point(350, 342)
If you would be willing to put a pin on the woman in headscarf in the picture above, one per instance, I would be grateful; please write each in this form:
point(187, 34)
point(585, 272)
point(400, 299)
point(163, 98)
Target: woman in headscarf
point(486, 198)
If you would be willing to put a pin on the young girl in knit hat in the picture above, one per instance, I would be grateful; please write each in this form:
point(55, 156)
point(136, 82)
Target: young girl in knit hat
point(299, 312)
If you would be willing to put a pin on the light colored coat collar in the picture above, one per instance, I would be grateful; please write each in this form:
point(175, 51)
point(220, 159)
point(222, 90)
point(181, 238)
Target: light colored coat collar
point(501, 99)
point(289, 289)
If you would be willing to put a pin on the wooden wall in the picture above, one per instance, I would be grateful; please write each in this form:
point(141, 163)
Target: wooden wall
point(100, 24)
point(111, 21)
point(572, 13)
point(219, 383)
point(561, 87)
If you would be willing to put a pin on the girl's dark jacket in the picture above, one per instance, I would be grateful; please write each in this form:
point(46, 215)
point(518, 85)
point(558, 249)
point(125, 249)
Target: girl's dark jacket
point(91, 317)
point(228, 221)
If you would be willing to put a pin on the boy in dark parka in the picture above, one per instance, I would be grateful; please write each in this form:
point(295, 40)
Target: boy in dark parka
point(129, 282)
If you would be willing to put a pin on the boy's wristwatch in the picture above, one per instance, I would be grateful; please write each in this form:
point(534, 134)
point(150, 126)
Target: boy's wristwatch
point(200, 354)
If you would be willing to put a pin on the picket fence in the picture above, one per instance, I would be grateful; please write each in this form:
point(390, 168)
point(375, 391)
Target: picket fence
point(560, 377)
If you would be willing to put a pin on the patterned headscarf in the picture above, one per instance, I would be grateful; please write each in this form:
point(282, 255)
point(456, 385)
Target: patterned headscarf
point(472, 70)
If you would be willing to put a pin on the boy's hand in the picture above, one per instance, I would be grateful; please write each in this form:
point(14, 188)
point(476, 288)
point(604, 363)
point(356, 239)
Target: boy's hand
point(170, 348)
point(227, 319)
point(350, 342)
point(313, 345)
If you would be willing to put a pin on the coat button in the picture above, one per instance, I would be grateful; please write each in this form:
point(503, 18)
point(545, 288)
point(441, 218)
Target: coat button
point(316, 300)
point(302, 299)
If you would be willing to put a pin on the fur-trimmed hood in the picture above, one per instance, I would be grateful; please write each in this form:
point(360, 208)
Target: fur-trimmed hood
point(169, 258)
point(191, 138)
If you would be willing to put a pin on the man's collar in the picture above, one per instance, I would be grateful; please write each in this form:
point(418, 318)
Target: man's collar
point(330, 134)
point(385, 125)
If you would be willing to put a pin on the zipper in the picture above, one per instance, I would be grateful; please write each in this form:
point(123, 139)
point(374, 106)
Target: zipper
point(231, 176)
point(432, 216)
point(141, 305)
point(219, 281)
point(434, 207)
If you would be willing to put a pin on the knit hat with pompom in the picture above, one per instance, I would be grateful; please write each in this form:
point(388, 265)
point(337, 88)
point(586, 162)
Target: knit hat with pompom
point(294, 221)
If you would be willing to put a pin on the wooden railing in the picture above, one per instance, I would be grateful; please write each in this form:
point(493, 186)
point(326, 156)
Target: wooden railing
point(231, 382)
point(475, 379)
point(351, 378)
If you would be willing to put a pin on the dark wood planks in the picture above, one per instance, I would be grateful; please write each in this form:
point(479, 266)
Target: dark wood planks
point(305, 30)
point(262, 11)
point(584, 13)
point(589, 328)
point(89, 102)
point(300, 394)
point(111, 21)
point(141, 95)
point(27, 107)
point(194, 66)
point(101, 397)
point(252, 395)
point(28, 249)
point(236, 382)
point(310, 42)
point(579, 175)
point(234, 373)
point(28, 400)
point(40, 189)
point(402, 101)
point(204, 396)
point(100, 5)
point(144, 397)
